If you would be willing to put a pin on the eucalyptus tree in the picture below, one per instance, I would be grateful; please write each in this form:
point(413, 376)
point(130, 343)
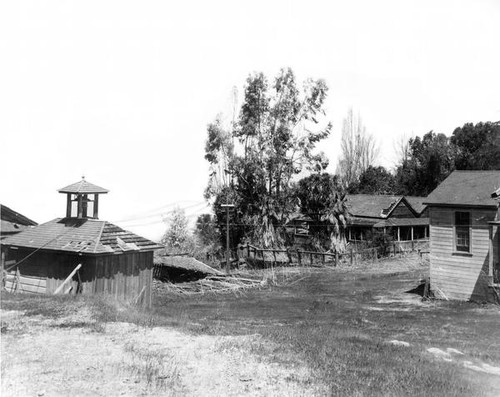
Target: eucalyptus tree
point(272, 140)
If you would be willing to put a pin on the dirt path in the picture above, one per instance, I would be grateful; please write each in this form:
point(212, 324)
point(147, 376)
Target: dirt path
point(45, 357)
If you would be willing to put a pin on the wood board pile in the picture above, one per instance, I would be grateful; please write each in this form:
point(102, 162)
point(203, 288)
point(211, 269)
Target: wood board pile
point(211, 284)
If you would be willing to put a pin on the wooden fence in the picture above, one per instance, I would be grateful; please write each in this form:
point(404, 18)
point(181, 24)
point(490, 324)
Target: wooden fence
point(353, 255)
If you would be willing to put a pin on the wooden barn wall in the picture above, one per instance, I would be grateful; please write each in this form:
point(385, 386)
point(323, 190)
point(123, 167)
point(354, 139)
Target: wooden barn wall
point(44, 271)
point(124, 276)
point(402, 211)
point(459, 276)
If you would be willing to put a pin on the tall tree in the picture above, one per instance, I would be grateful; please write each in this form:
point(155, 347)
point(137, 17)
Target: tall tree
point(207, 231)
point(431, 160)
point(374, 180)
point(276, 133)
point(478, 146)
point(177, 238)
point(358, 149)
point(323, 199)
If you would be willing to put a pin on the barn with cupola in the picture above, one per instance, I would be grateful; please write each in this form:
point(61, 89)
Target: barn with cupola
point(80, 253)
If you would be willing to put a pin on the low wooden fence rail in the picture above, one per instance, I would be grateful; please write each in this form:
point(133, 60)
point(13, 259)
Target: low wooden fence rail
point(352, 256)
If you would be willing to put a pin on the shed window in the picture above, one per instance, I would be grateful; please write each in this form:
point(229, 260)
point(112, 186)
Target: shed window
point(462, 231)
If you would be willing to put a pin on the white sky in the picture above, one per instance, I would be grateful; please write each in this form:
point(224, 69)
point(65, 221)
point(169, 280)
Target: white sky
point(122, 91)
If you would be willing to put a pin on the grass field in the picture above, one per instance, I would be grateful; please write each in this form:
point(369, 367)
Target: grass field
point(340, 324)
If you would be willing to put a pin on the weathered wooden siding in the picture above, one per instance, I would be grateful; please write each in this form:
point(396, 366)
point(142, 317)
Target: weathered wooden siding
point(123, 276)
point(30, 284)
point(461, 276)
point(402, 211)
point(51, 267)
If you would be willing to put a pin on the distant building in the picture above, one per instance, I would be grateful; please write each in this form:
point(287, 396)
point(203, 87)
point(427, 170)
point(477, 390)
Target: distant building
point(404, 217)
point(13, 222)
point(464, 236)
point(113, 260)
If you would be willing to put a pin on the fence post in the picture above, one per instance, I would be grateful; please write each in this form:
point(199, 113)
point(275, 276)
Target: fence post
point(289, 255)
point(299, 256)
point(351, 256)
point(274, 256)
point(336, 257)
point(324, 260)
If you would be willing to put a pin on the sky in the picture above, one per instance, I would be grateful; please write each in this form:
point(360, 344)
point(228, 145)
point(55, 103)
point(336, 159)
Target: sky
point(121, 92)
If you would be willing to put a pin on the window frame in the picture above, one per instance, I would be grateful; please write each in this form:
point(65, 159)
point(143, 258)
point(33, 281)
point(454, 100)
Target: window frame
point(460, 226)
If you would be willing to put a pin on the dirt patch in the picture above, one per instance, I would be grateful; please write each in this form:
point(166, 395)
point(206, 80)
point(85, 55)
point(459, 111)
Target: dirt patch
point(42, 357)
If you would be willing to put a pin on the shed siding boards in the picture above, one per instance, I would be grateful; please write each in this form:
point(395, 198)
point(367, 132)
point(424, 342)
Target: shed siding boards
point(121, 275)
point(461, 276)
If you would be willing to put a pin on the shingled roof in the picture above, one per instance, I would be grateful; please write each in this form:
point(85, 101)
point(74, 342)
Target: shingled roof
point(466, 188)
point(83, 187)
point(371, 205)
point(12, 221)
point(416, 203)
point(6, 214)
point(89, 236)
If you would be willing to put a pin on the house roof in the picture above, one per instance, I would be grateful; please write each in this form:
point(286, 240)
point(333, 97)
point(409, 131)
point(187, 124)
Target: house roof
point(88, 236)
point(372, 205)
point(355, 221)
point(6, 214)
point(391, 222)
point(83, 187)
point(416, 203)
point(466, 188)
point(12, 221)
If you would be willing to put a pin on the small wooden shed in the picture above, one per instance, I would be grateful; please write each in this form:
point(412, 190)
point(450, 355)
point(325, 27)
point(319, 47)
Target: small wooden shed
point(112, 260)
point(464, 236)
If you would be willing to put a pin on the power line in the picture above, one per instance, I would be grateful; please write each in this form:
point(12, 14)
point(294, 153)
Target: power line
point(157, 211)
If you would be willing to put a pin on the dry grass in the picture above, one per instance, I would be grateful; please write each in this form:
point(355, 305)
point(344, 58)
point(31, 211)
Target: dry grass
point(159, 369)
point(338, 321)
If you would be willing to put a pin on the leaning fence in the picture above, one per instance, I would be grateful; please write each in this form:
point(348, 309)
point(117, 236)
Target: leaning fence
point(297, 257)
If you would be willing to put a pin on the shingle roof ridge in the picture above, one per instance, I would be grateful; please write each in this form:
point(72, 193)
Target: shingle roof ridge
point(81, 186)
point(98, 239)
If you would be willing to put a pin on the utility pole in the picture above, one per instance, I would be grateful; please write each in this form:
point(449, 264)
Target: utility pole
point(228, 253)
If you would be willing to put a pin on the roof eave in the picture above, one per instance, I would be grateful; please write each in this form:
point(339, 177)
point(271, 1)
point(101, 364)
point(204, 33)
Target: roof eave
point(449, 205)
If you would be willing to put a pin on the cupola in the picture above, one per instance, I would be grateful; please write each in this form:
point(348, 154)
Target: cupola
point(82, 199)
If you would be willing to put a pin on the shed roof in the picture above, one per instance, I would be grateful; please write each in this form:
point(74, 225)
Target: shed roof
point(186, 263)
point(83, 187)
point(372, 205)
point(466, 188)
point(88, 236)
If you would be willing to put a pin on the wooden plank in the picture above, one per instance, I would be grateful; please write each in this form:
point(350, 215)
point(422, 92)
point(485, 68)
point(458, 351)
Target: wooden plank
point(40, 282)
point(68, 279)
point(31, 288)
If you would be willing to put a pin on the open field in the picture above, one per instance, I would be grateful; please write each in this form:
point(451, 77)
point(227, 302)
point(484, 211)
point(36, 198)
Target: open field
point(344, 331)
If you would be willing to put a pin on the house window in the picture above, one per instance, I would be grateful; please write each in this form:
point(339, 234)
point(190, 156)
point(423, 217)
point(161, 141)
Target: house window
point(462, 231)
